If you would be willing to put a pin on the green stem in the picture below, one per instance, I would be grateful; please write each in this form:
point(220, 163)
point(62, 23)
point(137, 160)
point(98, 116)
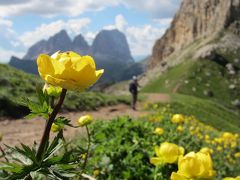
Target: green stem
point(48, 126)
point(88, 149)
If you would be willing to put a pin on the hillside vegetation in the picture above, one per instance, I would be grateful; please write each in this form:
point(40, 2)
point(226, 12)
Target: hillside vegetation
point(15, 84)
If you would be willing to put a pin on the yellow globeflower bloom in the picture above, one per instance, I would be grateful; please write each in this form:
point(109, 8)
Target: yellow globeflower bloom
point(237, 155)
point(231, 178)
point(176, 176)
point(206, 150)
point(159, 131)
point(196, 165)
point(96, 172)
point(85, 120)
point(180, 128)
point(68, 70)
point(167, 153)
point(177, 118)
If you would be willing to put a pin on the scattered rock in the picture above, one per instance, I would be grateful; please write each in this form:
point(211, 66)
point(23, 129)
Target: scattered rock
point(232, 86)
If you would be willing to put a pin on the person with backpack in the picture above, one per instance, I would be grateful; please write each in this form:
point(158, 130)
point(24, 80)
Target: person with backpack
point(133, 88)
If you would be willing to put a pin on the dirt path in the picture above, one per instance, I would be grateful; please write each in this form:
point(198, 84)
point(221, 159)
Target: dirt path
point(29, 130)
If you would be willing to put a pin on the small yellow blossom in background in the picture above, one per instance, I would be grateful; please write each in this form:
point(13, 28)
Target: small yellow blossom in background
point(177, 118)
point(231, 178)
point(52, 90)
point(194, 166)
point(159, 131)
point(83, 156)
point(55, 128)
point(206, 150)
point(1, 137)
point(167, 153)
point(180, 128)
point(219, 148)
point(68, 70)
point(85, 120)
point(96, 172)
point(237, 155)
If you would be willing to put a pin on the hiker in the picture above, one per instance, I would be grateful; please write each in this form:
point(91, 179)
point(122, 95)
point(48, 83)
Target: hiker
point(133, 88)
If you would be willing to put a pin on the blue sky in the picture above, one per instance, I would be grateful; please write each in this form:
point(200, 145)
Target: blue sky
point(24, 22)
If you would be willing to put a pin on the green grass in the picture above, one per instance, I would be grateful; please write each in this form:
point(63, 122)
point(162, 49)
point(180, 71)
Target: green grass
point(196, 78)
point(167, 82)
point(207, 111)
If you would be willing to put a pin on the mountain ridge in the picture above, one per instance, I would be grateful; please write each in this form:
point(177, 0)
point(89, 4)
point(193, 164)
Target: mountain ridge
point(194, 20)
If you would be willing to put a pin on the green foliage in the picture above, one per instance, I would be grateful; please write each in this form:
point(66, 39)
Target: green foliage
point(123, 147)
point(203, 78)
point(207, 111)
point(23, 162)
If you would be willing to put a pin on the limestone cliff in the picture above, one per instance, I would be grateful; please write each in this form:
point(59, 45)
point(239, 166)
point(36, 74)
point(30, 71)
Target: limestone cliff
point(196, 19)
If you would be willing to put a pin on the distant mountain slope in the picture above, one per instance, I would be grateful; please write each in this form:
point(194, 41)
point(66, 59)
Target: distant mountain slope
point(199, 54)
point(196, 19)
point(110, 50)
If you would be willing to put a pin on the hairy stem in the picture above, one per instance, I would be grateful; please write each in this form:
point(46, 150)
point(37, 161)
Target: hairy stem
point(48, 126)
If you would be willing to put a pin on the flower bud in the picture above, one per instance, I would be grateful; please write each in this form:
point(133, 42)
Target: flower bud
point(167, 153)
point(55, 128)
point(159, 131)
point(177, 118)
point(52, 90)
point(85, 120)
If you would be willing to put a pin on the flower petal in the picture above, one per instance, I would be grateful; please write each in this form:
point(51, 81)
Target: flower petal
point(45, 66)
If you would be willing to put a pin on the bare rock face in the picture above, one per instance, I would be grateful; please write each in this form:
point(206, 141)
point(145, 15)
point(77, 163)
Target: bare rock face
point(196, 19)
point(111, 44)
point(60, 41)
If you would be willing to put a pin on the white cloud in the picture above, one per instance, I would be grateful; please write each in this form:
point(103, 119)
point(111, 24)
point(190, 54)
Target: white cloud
point(90, 36)
point(54, 7)
point(44, 31)
point(164, 22)
point(6, 54)
point(120, 23)
point(140, 38)
point(157, 8)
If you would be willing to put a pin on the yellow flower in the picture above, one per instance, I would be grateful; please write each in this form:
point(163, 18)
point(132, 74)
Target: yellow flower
point(219, 148)
point(68, 70)
point(177, 118)
point(85, 120)
point(196, 165)
point(206, 150)
point(167, 153)
point(176, 176)
point(159, 131)
point(1, 137)
point(231, 178)
point(52, 90)
point(96, 172)
point(55, 128)
point(237, 155)
point(180, 128)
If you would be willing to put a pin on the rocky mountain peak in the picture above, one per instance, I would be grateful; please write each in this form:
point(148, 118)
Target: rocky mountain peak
point(111, 44)
point(80, 45)
point(195, 19)
point(60, 41)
